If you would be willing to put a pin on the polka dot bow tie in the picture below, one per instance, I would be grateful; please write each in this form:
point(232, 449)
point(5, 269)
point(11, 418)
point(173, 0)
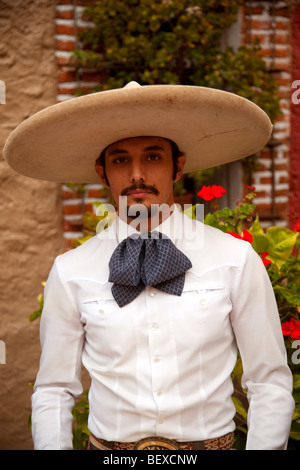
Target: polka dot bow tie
point(149, 259)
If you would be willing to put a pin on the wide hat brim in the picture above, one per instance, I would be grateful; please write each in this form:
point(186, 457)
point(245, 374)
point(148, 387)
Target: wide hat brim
point(211, 127)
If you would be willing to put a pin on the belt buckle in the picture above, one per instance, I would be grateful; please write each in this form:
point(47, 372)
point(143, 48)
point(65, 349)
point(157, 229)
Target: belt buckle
point(156, 443)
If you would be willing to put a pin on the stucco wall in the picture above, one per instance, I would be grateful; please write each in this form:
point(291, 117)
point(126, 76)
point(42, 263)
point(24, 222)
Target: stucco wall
point(30, 212)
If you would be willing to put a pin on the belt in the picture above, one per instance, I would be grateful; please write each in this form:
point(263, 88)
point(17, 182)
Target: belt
point(161, 443)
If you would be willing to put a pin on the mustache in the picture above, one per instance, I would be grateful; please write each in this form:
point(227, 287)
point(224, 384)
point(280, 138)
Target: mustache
point(139, 186)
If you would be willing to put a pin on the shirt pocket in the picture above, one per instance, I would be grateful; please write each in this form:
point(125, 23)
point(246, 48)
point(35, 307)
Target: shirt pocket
point(203, 311)
point(108, 329)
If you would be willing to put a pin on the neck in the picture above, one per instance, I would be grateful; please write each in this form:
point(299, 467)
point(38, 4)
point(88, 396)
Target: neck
point(145, 219)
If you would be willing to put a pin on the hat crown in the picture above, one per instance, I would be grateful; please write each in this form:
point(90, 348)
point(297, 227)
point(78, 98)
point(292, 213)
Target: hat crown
point(132, 84)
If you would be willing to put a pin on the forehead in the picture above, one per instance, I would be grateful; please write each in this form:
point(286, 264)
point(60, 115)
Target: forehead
point(140, 143)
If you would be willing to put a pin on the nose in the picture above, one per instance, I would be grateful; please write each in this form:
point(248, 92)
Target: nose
point(137, 173)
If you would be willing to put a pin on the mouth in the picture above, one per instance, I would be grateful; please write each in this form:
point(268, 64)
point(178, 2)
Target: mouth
point(139, 193)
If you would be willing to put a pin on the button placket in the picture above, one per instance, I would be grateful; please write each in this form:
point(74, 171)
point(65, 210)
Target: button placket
point(154, 338)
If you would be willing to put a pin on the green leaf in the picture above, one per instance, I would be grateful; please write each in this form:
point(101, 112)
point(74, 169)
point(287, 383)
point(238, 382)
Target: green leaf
point(281, 244)
point(295, 430)
point(260, 242)
point(296, 381)
point(240, 409)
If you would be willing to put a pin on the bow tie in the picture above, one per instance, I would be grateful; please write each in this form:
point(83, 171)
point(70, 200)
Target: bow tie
point(149, 259)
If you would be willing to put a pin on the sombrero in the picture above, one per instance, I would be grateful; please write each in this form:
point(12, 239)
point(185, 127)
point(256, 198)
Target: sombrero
point(211, 127)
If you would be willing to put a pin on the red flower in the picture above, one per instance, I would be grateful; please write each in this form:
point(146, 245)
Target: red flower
point(210, 192)
point(297, 226)
point(263, 257)
point(291, 328)
point(245, 236)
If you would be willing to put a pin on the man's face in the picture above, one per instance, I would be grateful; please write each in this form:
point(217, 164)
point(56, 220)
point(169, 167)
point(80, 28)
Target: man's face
point(141, 168)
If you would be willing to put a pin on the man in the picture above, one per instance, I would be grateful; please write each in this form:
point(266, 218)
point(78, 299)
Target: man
point(155, 306)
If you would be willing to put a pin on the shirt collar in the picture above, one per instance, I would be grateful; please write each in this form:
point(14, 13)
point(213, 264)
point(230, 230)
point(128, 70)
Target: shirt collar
point(171, 227)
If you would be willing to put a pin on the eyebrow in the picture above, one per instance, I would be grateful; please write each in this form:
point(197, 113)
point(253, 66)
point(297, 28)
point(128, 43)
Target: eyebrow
point(146, 149)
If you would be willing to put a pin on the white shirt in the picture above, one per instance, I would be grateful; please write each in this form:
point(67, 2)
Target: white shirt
point(161, 365)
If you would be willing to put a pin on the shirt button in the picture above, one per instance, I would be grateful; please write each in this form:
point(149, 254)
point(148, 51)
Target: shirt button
point(159, 393)
point(154, 327)
point(152, 294)
point(203, 301)
point(157, 359)
point(161, 420)
point(101, 311)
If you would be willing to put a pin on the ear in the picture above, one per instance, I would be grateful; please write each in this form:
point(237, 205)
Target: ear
point(100, 172)
point(180, 166)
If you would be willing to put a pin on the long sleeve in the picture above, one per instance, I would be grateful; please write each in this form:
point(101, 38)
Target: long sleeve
point(266, 377)
point(59, 378)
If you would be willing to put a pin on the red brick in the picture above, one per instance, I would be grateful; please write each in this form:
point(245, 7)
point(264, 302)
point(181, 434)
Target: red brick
point(96, 193)
point(65, 45)
point(265, 180)
point(72, 209)
point(284, 179)
point(281, 25)
point(260, 24)
point(85, 3)
point(64, 29)
point(283, 11)
point(91, 76)
point(280, 53)
point(64, 15)
point(282, 192)
point(72, 226)
point(261, 194)
point(65, 2)
point(69, 194)
point(66, 91)
point(281, 167)
point(253, 10)
point(282, 38)
point(61, 61)
point(66, 76)
point(89, 207)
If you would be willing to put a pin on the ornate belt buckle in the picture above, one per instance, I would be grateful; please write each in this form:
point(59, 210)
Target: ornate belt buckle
point(156, 443)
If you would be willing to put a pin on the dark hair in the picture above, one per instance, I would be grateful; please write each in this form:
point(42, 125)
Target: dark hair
point(176, 153)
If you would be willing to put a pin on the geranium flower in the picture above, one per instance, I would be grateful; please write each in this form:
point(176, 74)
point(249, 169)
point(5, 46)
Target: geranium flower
point(246, 236)
point(211, 192)
point(297, 226)
point(263, 257)
point(291, 328)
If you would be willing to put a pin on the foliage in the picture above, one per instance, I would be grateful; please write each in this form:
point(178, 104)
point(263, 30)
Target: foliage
point(81, 432)
point(155, 42)
point(151, 41)
point(167, 42)
point(279, 248)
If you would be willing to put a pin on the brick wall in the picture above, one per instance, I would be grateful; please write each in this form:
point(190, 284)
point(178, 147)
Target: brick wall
point(267, 20)
point(294, 212)
point(69, 22)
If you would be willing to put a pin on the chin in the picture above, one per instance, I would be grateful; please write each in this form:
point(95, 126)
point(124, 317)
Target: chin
point(139, 209)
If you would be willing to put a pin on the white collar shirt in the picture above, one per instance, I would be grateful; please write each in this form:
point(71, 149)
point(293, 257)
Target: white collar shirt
point(162, 364)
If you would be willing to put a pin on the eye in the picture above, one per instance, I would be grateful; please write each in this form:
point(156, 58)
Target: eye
point(153, 157)
point(120, 160)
